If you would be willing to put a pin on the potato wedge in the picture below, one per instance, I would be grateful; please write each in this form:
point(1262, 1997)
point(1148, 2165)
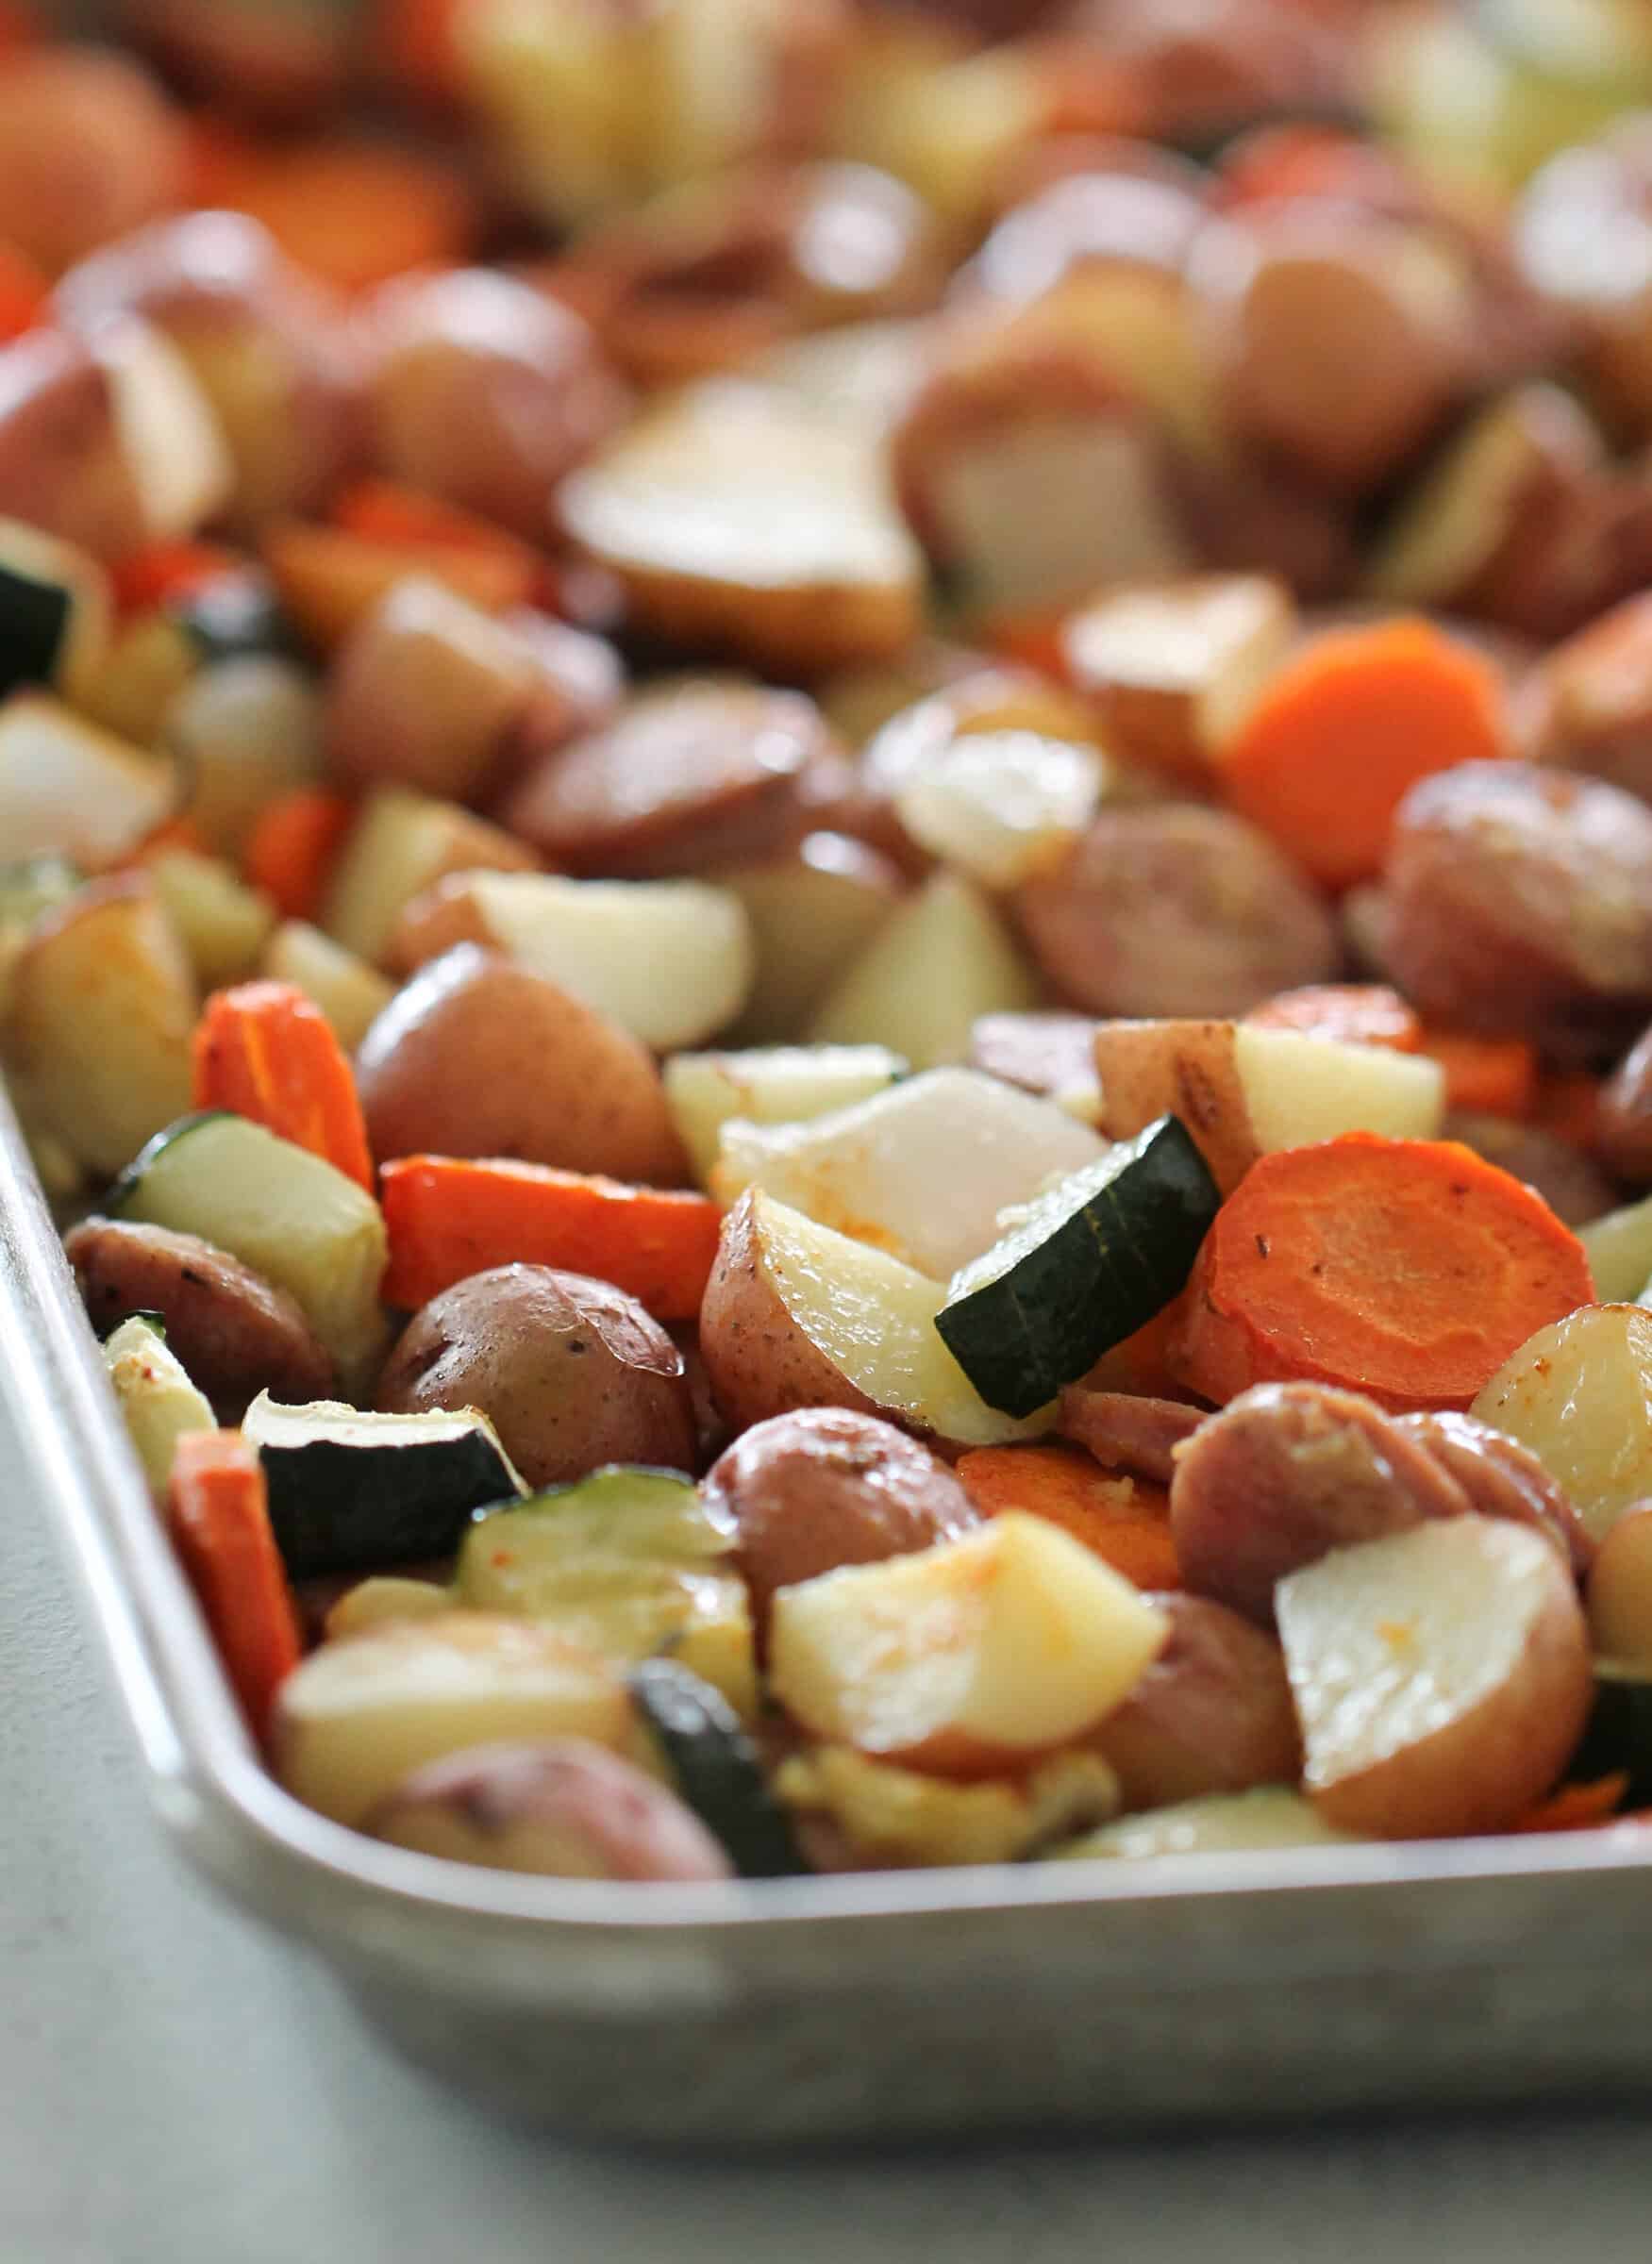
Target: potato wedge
point(222, 923)
point(941, 960)
point(769, 1085)
point(967, 1657)
point(812, 912)
point(797, 1316)
point(1441, 1676)
point(69, 790)
point(401, 845)
point(1579, 1395)
point(349, 992)
point(244, 730)
point(102, 1008)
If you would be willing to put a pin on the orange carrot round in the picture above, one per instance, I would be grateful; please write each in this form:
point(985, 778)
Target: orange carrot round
point(218, 1515)
point(354, 212)
point(1406, 1269)
point(293, 846)
point(1353, 1013)
point(1491, 1076)
point(1326, 755)
point(1125, 1522)
point(268, 1053)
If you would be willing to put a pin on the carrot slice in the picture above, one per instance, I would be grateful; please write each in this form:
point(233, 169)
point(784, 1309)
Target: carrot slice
point(1125, 1522)
point(1406, 1269)
point(328, 578)
point(267, 1052)
point(353, 211)
point(1576, 1807)
point(1326, 755)
point(218, 1514)
point(1492, 1077)
point(293, 846)
point(450, 1216)
point(163, 571)
point(1353, 1013)
point(24, 293)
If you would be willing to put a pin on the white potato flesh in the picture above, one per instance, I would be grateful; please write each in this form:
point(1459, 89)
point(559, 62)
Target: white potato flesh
point(224, 925)
point(869, 1171)
point(900, 1818)
point(247, 730)
point(1300, 1088)
point(1620, 1589)
point(357, 1717)
point(347, 989)
point(769, 1085)
point(1620, 1251)
point(1001, 806)
point(1221, 1823)
point(1579, 1395)
point(166, 427)
point(1441, 1676)
point(401, 844)
point(157, 1399)
point(1010, 1641)
point(670, 960)
point(1179, 665)
point(69, 788)
point(940, 961)
point(874, 1319)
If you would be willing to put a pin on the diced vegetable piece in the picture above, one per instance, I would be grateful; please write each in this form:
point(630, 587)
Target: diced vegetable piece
point(220, 1527)
point(101, 1005)
point(248, 731)
point(1225, 1823)
point(1082, 1268)
point(1496, 1076)
point(799, 1316)
point(1619, 1735)
point(281, 1210)
point(1441, 1677)
point(889, 1817)
point(294, 847)
point(939, 962)
point(999, 807)
point(811, 913)
point(402, 844)
point(1620, 1588)
point(774, 1085)
point(628, 1561)
point(170, 439)
point(383, 1598)
point(448, 1216)
point(347, 989)
point(716, 1767)
point(1405, 1269)
point(356, 1717)
point(158, 1402)
point(222, 924)
point(1122, 1521)
point(70, 788)
point(329, 578)
point(264, 1051)
point(870, 1169)
point(1578, 1394)
point(54, 612)
point(1620, 1251)
point(967, 1657)
point(350, 1489)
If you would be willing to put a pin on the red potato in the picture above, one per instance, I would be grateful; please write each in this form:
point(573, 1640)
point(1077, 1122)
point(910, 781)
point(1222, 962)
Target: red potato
point(484, 392)
point(426, 692)
point(264, 342)
point(1287, 1473)
point(1177, 910)
point(477, 1056)
point(813, 908)
point(89, 148)
point(1052, 1055)
point(1582, 236)
point(578, 683)
point(62, 467)
point(825, 1487)
point(1441, 1677)
point(1212, 1713)
point(1519, 903)
point(571, 1372)
point(1620, 1588)
point(564, 1809)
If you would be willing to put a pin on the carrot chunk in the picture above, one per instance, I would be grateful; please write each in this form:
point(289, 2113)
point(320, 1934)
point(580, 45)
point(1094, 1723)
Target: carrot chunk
point(163, 571)
point(267, 1052)
point(1125, 1522)
point(1353, 1013)
point(218, 1514)
point(1326, 755)
point(353, 211)
point(293, 846)
point(1492, 1077)
point(449, 1216)
point(1406, 1269)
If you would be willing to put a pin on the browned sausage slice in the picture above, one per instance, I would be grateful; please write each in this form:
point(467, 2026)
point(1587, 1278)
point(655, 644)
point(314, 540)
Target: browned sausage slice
point(1212, 1713)
point(1285, 1474)
point(1175, 910)
point(1573, 1186)
point(1126, 1432)
point(1502, 1478)
point(1624, 1128)
point(235, 1333)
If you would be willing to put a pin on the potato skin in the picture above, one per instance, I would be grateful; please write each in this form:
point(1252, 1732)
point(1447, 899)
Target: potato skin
point(90, 146)
point(758, 1360)
point(572, 1372)
point(825, 1487)
point(235, 1333)
point(477, 1055)
point(1212, 1713)
point(1502, 1478)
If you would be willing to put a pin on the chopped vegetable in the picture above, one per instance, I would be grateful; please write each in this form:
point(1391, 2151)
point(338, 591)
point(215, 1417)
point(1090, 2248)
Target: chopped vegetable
point(294, 847)
point(1122, 1521)
point(264, 1051)
point(218, 1517)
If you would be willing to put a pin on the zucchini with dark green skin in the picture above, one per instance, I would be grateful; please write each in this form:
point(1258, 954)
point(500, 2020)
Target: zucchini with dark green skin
point(716, 1768)
point(1619, 1736)
point(232, 617)
point(54, 610)
point(1086, 1266)
point(352, 1492)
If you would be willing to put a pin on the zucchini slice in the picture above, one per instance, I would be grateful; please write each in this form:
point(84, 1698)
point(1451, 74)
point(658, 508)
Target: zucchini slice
point(1619, 1735)
point(281, 1210)
point(54, 610)
point(716, 1768)
point(349, 1491)
point(235, 616)
point(1084, 1267)
point(630, 1560)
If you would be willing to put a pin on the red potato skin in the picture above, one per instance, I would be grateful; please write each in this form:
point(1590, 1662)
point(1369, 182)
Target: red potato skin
point(759, 1362)
point(89, 148)
point(823, 1487)
point(1041, 1053)
point(61, 466)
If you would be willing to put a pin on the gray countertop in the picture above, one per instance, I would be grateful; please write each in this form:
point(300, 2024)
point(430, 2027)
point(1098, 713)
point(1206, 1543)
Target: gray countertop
point(176, 2088)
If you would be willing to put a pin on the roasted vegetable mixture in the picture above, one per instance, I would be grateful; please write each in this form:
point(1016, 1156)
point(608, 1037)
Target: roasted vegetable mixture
point(826, 902)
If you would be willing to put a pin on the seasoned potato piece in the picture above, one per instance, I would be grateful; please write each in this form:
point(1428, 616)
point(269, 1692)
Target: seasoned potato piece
point(89, 148)
point(564, 1808)
point(934, 966)
point(825, 1487)
point(1052, 1055)
point(571, 1372)
point(1441, 1676)
point(811, 910)
point(402, 847)
point(347, 989)
point(236, 1333)
point(1221, 1823)
point(1175, 911)
point(856, 1814)
point(1579, 1395)
point(1620, 1588)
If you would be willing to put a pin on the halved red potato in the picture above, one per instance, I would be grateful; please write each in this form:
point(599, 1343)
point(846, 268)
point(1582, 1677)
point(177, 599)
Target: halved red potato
point(89, 148)
point(1441, 1676)
point(263, 340)
point(484, 392)
point(813, 910)
point(400, 849)
point(967, 1658)
point(1243, 1092)
point(1578, 1394)
point(1620, 1588)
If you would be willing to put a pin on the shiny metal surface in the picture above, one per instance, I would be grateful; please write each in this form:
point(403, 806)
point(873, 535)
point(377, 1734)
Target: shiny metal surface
point(1103, 1995)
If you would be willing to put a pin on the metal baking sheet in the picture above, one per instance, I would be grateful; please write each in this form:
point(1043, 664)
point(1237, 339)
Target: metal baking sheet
point(889, 2005)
